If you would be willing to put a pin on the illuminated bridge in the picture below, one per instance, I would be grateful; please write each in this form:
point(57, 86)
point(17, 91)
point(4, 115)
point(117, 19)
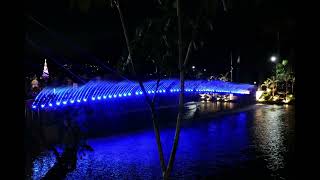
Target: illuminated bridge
point(113, 91)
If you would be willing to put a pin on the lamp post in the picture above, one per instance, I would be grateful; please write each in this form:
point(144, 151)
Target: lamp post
point(274, 59)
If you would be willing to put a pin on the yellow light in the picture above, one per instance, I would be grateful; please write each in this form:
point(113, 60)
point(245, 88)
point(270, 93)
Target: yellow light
point(286, 100)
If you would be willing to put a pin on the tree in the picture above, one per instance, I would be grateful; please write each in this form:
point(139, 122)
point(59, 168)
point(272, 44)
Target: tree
point(166, 44)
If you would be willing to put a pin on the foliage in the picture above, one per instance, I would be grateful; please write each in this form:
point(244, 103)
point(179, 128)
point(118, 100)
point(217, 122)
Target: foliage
point(155, 42)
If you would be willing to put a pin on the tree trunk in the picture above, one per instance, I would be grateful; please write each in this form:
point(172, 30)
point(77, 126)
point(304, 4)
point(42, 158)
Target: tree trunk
point(292, 87)
point(154, 119)
point(286, 88)
point(181, 97)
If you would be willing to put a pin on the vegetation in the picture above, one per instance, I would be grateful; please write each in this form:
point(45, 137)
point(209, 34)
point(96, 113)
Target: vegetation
point(276, 89)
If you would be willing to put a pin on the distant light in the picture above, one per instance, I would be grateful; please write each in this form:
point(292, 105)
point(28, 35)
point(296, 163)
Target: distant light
point(93, 98)
point(72, 101)
point(149, 92)
point(273, 58)
point(78, 100)
point(64, 102)
point(58, 103)
point(34, 107)
point(164, 91)
point(124, 94)
point(255, 82)
point(140, 92)
point(50, 105)
point(85, 100)
point(204, 70)
point(129, 94)
point(152, 91)
point(115, 96)
point(109, 96)
point(193, 67)
point(99, 97)
point(42, 105)
point(120, 95)
point(137, 93)
point(104, 97)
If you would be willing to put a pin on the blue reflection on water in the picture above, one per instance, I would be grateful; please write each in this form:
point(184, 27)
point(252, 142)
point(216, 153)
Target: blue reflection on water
point(206, 148)
point(135, 155)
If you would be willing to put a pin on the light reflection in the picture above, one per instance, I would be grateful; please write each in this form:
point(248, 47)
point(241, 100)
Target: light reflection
point(270, 131)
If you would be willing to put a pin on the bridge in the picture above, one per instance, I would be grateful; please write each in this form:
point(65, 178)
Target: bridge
point(111, 91)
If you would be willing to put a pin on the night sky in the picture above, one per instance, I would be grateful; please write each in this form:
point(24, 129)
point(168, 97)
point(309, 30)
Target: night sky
point(249, 29)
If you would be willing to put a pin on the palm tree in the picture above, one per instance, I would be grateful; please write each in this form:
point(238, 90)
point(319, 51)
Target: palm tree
point(286, 79)
point(266, 83)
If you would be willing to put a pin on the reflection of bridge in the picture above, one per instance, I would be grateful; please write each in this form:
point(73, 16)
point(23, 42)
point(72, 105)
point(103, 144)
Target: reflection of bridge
point(107, 90)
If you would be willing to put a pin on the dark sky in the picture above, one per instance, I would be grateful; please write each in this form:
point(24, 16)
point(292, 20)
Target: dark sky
point(248, 29)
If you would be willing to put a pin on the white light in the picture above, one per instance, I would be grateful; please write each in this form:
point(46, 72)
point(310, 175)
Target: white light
point(204, 70)
point(273, 58)
point(258, 94)
point(255, 82)
point(193, 67)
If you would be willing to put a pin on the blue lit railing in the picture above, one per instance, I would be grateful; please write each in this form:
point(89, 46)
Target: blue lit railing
point(107, 90)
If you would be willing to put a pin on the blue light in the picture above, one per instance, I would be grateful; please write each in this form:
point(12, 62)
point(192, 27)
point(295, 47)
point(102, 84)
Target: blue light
point(50, 105)
point(42, 105)
point(110, 89)
point(58, 103)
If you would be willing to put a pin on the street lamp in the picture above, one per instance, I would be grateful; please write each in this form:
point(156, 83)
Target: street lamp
point(273, 58)
point(193, 67)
